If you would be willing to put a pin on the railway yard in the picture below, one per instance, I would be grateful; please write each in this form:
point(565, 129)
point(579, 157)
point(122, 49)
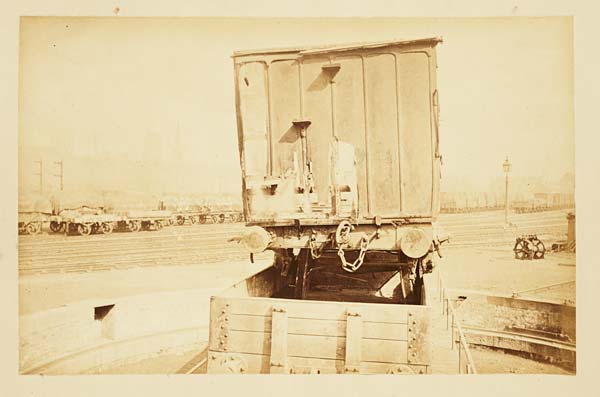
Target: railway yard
point(58, 271)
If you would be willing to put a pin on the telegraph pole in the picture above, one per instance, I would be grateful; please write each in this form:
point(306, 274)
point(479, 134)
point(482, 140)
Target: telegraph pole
point(60, 175)
point(506, 167)
point(40, 174)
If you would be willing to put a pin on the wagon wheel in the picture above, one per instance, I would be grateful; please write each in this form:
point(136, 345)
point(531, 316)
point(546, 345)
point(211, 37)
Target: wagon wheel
point(521, 249)
point(135, 226)
point(32, 228)
point(85, 229)
point(221, 218)
point(56, 226)
point(202, 218)
point(193, 220)
point(539, 248)
point(180, 220)
point(107, 227)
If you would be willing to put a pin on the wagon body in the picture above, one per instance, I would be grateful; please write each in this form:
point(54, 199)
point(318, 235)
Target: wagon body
point(252, 332)
point(339, 132)
point(340, 177)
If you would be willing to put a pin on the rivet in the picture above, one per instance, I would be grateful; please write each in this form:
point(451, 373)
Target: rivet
point(410, 330)
point(414, 354)
point(223, 311)
point(414, 323)
point(410, 314)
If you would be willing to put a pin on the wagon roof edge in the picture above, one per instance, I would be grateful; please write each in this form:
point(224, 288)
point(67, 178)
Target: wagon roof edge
point(307, 50)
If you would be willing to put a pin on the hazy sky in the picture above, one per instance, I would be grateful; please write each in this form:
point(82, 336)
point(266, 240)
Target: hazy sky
point(93, 85)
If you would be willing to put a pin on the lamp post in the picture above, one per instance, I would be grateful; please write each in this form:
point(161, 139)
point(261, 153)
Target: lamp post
point(506, 167)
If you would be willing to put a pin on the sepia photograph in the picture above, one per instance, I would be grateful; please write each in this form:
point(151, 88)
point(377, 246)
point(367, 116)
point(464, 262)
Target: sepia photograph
point(252, 195)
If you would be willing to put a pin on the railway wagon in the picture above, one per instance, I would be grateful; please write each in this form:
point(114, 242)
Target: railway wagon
point(137, 220)
point(204, 216)
point(340, 161)
point(33, 213)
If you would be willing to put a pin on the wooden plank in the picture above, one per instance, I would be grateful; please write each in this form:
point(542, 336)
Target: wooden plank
point(284, 86)
point(326, 347)
point(350, 118)
point(253, 111)
point(257, 363)
point(371, 330)
point(382, 114)
point(415, 132)
point(279, 339)
point(317, 108)
point(372, 312)
point(354, 329)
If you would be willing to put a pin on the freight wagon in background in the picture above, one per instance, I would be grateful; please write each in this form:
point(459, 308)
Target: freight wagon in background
point(95, 214)
point(461, 202)
point(544, 202)
point(340, 159)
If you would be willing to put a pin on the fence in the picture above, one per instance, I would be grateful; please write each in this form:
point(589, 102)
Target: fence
point(466, 365)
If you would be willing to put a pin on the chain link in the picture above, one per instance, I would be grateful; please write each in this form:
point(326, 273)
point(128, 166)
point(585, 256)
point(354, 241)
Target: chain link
point(315, 251)
point(352, 267)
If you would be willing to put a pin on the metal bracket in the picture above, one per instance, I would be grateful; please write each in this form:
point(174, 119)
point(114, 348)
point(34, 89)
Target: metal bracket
point(354, 331)
point(221, 325)
point(279, 335)
point(418, 346)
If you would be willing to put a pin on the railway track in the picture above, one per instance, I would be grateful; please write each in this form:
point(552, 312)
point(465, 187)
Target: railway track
point(208, 243)
point(538, 347)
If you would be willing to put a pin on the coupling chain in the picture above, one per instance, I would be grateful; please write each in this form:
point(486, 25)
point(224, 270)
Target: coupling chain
point(316, 251)
point(351, 267)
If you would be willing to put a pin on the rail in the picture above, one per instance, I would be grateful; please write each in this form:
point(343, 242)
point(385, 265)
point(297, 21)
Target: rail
point(466, 364)
point(544, 288)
